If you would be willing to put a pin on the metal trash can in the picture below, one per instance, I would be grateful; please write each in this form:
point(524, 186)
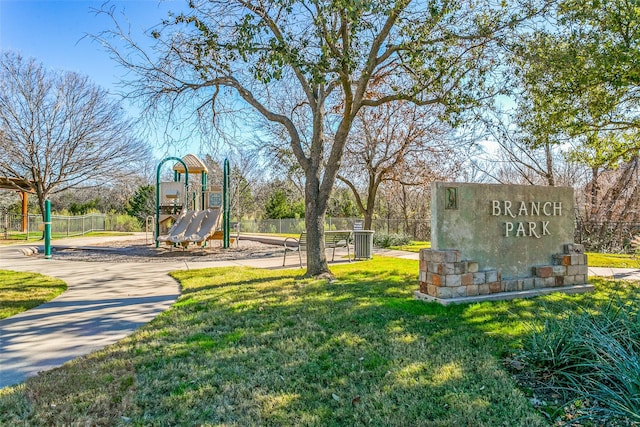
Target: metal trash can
point(363, 244)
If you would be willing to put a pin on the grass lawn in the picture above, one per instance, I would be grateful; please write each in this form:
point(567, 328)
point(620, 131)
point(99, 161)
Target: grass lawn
point(414, 246)
point(595, 259)
point(612, 260)
point(22, 291)
point(259, 347)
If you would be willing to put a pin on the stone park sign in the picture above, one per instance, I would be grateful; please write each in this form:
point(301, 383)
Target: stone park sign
point(510, 240)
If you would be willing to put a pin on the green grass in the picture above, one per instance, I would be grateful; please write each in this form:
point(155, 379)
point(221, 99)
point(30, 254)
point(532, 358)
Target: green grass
point(612, 260)
point(259, 347)
point(22, 291)
point(414, 246)
point(588, 362)
point(595, 259)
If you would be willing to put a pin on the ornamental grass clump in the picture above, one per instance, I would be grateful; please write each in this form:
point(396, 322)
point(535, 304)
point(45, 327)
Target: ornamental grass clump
point(588, 361)
point(384, 240)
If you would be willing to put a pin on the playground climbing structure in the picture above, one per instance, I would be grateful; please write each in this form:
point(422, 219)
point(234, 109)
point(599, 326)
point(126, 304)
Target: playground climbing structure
point(190, 210)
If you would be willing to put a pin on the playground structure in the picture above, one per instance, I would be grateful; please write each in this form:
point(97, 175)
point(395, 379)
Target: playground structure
point(190, 211)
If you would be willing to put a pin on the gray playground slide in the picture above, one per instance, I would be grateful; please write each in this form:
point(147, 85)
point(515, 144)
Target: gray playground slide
point(192, 228)
point(179, 227)
point(209, 225)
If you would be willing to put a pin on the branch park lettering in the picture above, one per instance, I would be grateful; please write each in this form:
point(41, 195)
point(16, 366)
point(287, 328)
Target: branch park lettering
point(535, 229)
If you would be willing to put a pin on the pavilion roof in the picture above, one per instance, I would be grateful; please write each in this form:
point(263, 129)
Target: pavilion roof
point(16, 184)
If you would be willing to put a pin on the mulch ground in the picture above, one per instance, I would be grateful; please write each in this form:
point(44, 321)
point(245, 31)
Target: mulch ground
point(141, 251)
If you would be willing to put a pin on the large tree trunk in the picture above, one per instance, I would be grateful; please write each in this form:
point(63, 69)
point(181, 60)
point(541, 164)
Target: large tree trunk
point(549, 157)
point(595, 194)
point(317, 190)
point(314, 221)
point(368, 219)
point(371, 203)
point(368, 209)
point(405, 208)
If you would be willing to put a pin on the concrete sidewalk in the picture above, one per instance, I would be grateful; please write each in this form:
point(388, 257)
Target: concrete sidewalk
point(106, 301)
point(615, 273)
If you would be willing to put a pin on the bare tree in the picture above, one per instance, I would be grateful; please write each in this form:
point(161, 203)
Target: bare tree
point(244, 173)
point(398, 142)
point(244, 176)
point(317, 59)
point(60, 131)
point(410, 204)
point(617, 196)
point(519, 157)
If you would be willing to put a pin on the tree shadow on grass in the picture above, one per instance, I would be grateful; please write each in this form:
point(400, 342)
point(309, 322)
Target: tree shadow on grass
point(252, 347)
point(335, 354)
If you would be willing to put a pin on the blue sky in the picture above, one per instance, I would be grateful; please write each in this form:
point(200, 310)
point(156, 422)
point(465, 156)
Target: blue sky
point(53, 32)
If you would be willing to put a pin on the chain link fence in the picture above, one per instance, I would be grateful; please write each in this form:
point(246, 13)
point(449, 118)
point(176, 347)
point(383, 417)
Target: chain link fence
point(415, 229)
point(604, 237)
point(14, 226)
point(62, 226)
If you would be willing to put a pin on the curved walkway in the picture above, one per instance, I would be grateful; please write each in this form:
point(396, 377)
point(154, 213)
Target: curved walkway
point(105, 302)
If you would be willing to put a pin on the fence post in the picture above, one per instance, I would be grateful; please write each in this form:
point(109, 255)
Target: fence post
point(226, 202)
point(47, 229)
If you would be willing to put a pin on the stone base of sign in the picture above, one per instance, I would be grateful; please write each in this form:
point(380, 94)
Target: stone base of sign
point(446, 277)
point(576, 289)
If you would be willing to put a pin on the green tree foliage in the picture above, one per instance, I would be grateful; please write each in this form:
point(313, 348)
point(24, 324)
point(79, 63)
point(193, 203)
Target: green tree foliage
point(307, 67)
point(83, 208)
point(580, 80)
point(277, 206)
point(142, 203)
point(342, 204)
point(280, 206)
